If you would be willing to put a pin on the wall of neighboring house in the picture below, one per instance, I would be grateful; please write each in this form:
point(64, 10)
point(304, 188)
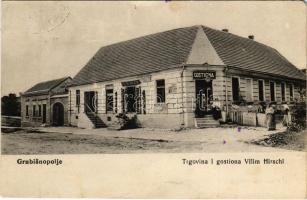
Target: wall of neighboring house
point(37, 119)
point(61, 88)
point(34, 119)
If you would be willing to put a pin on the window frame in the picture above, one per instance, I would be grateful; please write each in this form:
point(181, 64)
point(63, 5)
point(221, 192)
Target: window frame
point(34, 111)
point(27, 110)
point(161, 101)
point(291, 88)
point(263, 89)
point(274, 90)
point(107, 99)
point(239, 84)
point(39, 110)
point(78, 100)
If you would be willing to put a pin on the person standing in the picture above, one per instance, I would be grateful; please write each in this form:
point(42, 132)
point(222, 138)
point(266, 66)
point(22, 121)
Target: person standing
point(270, 117)
point(286, 119)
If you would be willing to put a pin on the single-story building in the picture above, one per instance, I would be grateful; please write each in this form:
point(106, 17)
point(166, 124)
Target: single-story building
point(179, 78)
point(46, 103)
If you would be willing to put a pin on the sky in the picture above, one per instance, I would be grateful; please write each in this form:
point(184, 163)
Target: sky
point(47, 40)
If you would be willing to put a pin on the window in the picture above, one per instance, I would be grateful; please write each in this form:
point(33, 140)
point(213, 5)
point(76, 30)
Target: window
point(291, 92)
point(272, 91)
point(249, 89)
point(235, 89)
point(39, 110)
point(34, 111)
point(160, 91)
point(78, 100)
point(283, 91)
point(27, 110)
point(261, 90)
point(109, 100)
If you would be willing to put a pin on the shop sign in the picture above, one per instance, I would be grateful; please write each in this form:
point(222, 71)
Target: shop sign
point(131, 83)
point(204, 75)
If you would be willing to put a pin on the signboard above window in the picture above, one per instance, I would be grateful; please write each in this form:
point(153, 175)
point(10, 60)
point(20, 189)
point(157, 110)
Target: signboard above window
point(204, 75)
point(131, 83)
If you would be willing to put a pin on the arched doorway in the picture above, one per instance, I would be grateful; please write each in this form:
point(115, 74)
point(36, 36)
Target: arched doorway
point(58, 114)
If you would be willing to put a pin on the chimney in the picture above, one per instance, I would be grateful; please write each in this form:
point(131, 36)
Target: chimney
point(251, 37)
point(225, 30)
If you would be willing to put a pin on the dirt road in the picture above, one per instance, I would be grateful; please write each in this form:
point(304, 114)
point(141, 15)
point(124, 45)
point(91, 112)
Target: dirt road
point(66, 140)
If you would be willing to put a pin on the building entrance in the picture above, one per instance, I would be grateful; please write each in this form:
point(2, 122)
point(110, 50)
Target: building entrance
point(204, 97)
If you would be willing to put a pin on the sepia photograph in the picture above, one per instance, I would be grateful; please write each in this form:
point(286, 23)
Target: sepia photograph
point(72, 85)
point(153, 99)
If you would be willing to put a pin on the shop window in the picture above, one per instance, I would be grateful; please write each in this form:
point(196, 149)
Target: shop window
point(249, 89)
point(160, 91)
point(109, 100)
point(78, 100)
point(272, 91)
point(291, 92)
point(39, 110)
point(235, 89)
point(283, 91)
point(261, 90)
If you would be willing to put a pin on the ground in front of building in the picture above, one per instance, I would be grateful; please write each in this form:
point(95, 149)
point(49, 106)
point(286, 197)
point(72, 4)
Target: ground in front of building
point(67, 140)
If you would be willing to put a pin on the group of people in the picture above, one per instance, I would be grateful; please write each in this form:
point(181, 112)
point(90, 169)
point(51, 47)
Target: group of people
point(270, 112)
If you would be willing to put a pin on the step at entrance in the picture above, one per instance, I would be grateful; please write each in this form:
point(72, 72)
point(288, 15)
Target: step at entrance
point(206, 122)
point(95, 119)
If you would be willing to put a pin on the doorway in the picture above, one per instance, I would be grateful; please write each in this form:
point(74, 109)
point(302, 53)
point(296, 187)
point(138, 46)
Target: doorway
point(204, 97)
point(58, 114)
point(90, 102)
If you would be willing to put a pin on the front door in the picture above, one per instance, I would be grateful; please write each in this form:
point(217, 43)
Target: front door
point(90, 102)
point(58, 114)
point(204, 96)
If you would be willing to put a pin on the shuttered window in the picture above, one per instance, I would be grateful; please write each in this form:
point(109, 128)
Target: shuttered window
point(249, 89)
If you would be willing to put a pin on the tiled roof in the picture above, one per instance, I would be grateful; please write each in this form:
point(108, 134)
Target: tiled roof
point(251, 55)
point(171, 49)
point(146, 54)
point(43, 88)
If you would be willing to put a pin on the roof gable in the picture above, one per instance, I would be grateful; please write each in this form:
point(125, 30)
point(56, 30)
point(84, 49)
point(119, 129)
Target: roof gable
point(202, 51)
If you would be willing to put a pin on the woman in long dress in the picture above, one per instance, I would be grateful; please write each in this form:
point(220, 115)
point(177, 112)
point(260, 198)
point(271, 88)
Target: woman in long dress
point(270, 117)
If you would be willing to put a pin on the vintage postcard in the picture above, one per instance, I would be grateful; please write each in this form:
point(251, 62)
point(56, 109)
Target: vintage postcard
point(156, 99)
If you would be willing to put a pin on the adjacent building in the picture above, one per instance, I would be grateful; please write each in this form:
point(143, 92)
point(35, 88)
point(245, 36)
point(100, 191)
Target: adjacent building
point(46, 103)
point(179, 77)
